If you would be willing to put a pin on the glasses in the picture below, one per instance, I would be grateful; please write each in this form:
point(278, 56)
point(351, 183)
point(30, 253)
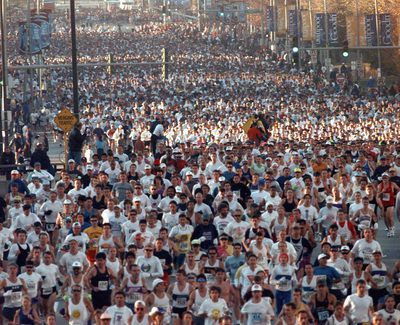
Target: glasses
point(224, 239)
point(212, 253)
point(139, 308)
point(137, 188)
point(148, 250)
point(68, 221)
point(76, 290)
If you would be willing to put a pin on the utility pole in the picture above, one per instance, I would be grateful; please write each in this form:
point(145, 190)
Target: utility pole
point(4, 72)
point(74, 60)
point(378, 38)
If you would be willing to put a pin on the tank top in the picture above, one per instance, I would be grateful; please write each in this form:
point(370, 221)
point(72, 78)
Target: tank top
point(198, 300)
point(77, 312)
point(145, 320)
point(289, 206)
point(379, 275)
point(337, 243)
point(388, 197)
point(24, 319)
point(373, 204)
point(22, 256)
point(355, 279)
point(114, 266)
point(73, 283)
point(180, 298)
point(321, 312)
point(102, 281)
point(194, 270)
point(162, 303)
point(109, 242)
point(13, 294)
point(208, 268)
point(278, 227)
point(134, 291)
point(344, 230)
point(308, 288)
point(364, 219)
point(321, 192)
point(334, 321)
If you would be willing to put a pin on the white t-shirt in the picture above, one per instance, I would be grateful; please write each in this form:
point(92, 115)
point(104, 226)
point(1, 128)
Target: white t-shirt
point(390, 318)
point(31, 282)
point(119, 316)
point(49, 274)
point(364, 249)
point(213, 310)
point(359, 308)
point(258, 313)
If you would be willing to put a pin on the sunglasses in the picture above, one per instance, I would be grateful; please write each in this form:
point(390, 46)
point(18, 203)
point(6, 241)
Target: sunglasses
point(139, 308)
point(76, 290)
point(148, 250)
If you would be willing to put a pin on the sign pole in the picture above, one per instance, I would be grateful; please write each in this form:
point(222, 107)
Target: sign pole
point(66, 135)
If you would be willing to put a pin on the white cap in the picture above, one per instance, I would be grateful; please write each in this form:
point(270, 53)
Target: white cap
point(178, 189)
point(147, 167)
point(156, 282)
point(71, 161)
point(189, 174)
point(321, 256)
point(76, 224)
point(67, 202)
point(76, 264)
point(14, 171)
point(137, 199)
point(256, 287)
point(163, 165)
point(156, 310)
point(329, 199)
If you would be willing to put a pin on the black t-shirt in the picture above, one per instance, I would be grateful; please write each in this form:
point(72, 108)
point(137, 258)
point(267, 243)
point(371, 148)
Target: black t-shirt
point(165, 258)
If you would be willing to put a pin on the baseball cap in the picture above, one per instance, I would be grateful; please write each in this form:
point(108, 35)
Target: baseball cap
point(71, 161)
point(297, 170)
point(76, 224)
point(76, 264)
point(256, 287)
point(345, 248)
point(156, 310)
point(322, 256)
point(329, 199)
point(156, 282)
point(14, 172)
point(147, 167)
point(67, 202)
point(196, 242)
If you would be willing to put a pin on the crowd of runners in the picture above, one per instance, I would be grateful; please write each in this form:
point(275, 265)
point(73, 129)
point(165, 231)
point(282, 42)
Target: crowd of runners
point(238, 191)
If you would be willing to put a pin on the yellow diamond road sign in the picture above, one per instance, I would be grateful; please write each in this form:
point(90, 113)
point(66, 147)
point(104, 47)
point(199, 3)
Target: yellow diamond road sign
point(65, 120)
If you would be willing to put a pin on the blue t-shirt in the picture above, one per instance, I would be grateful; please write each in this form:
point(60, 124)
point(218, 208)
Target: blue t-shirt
point(232, 263)
point(327, 273)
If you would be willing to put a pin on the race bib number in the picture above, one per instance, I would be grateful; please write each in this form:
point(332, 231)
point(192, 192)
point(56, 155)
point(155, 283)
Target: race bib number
point(181, 302)
point(47, 291)
point(16, 297)
point(323, 315)
point(257, 318)
point(385, 196)
point(103, 285)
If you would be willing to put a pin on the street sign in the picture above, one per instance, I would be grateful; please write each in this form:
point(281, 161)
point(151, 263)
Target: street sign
point(314, 56)
point(65, 120)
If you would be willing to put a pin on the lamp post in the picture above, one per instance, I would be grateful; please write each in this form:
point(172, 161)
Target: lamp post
point(74, 60)
point(4, 72)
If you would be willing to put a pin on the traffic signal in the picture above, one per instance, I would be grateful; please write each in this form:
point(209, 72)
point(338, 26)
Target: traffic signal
point(110, 68)
point(345, 49)
point(221, 12)
point(164, 65)
point(295, 50)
